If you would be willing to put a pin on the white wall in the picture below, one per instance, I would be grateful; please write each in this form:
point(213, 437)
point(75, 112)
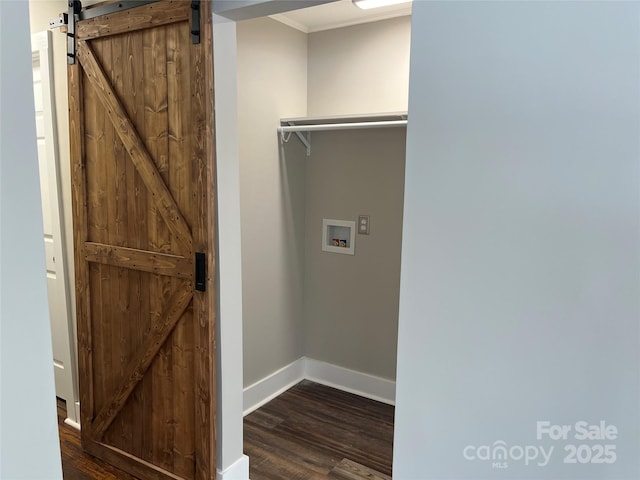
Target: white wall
point(520, 285)
point(29, 430)
point(232, 464)
point(360, 69)
point(272, 84)
point(280, 71)
point(40, 12)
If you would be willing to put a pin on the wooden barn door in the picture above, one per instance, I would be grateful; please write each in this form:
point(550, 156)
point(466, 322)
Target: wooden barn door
point(141, 112)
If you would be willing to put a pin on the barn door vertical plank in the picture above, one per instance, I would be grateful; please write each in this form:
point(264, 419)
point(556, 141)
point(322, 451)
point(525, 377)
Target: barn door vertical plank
point(164, 372)
point(157, 232)
point(114, 65)
point(107, 335)
point(204, 240)
point(95, 135)
point(130, 86)
point(79, 196)
point(209, 211)
point(163, 425)
point(182, 187)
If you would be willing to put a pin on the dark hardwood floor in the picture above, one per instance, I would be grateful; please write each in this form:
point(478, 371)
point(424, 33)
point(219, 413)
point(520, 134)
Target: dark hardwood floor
point(310, 432)
point(77, 465)
point(316, 432)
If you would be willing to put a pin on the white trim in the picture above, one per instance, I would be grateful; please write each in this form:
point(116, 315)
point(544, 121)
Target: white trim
point(282, 18)
point(42, 53)
point(358, 383)
point(76, 414)
point(239, 470)
point(229, 259)
point(328, 232)
point(362, 384)
point(71, 423)
point(373, 18)
point(273, 385)
point(290, 22)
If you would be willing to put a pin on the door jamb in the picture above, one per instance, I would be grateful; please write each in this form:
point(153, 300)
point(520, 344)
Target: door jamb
point(41, 47)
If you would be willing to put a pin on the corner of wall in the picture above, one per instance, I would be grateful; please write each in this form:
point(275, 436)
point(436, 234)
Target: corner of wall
point(239, 470)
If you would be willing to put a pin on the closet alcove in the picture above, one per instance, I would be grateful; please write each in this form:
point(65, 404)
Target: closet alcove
point(322, 128)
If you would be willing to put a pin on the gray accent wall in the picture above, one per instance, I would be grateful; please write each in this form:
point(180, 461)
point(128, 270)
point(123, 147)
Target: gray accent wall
point(351, 301)
point(520, 286)
point(297, 300)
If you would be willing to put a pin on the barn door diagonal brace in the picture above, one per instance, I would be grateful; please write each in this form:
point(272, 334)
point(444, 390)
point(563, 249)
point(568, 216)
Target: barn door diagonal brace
point(143, 358)
point(195, 22)
point(138, 153)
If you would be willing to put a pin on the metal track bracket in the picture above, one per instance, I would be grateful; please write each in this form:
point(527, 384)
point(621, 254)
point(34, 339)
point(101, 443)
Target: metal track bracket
point(195, 22)
point(75, 7)
point(76, 13)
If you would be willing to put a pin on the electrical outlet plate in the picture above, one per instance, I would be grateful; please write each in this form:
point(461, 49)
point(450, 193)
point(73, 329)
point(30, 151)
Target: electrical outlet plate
point(363, 224)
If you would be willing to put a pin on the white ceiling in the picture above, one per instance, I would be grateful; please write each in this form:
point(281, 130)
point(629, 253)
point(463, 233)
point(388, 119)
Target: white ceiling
point(341, 13)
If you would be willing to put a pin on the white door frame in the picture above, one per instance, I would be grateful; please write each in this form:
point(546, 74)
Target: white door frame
point(42, 52)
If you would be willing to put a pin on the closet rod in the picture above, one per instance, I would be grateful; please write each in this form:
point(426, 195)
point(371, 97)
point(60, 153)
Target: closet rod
point(341, 126)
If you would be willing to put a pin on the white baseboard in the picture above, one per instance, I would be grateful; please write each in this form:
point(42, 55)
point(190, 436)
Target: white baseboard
point(72, 423)
point(358, 383)
point(73, 417)
point(239, 470)
point(271, 386)
point(362, 384)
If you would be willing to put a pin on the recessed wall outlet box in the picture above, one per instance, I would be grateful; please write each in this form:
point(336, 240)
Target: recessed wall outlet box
point(338, 236)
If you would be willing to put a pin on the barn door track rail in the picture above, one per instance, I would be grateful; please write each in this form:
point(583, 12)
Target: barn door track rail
point(303, 127)
point(76, 14)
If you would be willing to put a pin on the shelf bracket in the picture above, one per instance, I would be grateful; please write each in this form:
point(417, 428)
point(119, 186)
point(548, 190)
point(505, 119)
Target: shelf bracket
point(306, 141)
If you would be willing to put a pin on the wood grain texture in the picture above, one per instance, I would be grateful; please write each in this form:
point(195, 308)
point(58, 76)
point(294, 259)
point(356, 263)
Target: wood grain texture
point(147, 16)
point(350, 470)
point(209, 202)
point(121, 459)
point(204, 305)
point(316, 432)
point(136, 369)
point(145, 184)
point(157, 98)
point(122, 312)
point(80, 233)
point(159, 424)
point(135, 147)
point(143, 260)
point(282, 449)
point(78, 465)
